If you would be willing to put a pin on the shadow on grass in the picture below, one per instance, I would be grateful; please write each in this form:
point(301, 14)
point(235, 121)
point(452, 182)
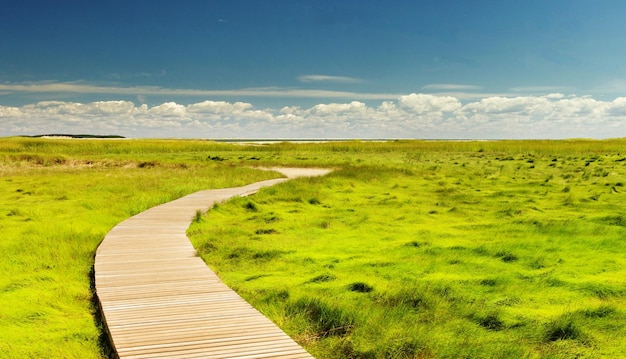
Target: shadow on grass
point(104, 340)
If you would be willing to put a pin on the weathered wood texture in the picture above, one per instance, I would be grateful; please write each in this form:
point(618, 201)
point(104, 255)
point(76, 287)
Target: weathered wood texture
point(159, 299)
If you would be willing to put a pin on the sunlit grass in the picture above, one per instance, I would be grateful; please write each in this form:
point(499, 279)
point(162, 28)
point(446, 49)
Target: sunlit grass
point(53, 214)
point(470, 254)
point(410, 248)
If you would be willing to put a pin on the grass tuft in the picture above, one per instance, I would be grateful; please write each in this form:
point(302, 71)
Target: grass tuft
point(602, 311)
point(506, 256)
point(490, 321)
point(197, 218)
point(251, 206)
point(604, 291)
point(360, 287)
point(325, 319)
point(412, 298)
point(265, 231)
point(563, 328)
point(322, 278)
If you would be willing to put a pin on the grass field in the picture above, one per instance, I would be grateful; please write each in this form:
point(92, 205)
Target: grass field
point(474, 250)
point(409, 249)
point(58, 200)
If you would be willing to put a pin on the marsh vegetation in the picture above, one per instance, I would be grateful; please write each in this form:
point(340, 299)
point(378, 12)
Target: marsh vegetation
point(440, 250)
point(58, 200)
point(408, 249)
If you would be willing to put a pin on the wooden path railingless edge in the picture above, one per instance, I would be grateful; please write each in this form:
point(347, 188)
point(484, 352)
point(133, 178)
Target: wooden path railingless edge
point(160, 300)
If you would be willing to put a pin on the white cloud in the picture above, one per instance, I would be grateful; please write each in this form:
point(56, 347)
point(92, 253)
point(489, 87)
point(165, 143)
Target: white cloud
point(580, 106)
point(541, 89)
point(408, 116)
point(142, 91)
point(617, 107)
point(169, 109)
point(335, 109)
point(219, 107)
point(326, 78)
point(9, 112)
point(429, 104)
point(505, 105)
point(554, 95)
point(451, 87)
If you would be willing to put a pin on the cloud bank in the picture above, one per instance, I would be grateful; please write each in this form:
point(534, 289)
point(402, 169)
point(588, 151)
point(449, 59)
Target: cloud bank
point(408, 116)
point(84, 88)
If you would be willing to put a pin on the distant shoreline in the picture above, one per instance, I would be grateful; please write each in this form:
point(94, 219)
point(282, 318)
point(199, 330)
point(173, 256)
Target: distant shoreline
point(294, 140)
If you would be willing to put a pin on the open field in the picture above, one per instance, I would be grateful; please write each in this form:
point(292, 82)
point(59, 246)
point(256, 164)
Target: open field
point(450, 250)
point(58, 200)
point(408, 249)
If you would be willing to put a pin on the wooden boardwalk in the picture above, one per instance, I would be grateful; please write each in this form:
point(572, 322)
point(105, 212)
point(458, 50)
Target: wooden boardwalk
point(160, 300)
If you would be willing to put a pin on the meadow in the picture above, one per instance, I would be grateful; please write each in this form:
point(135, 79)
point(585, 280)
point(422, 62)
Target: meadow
point(442, 250)
point(432, 249)
point(58, 200)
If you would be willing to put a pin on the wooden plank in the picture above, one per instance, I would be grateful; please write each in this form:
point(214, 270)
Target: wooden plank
point(159, 299)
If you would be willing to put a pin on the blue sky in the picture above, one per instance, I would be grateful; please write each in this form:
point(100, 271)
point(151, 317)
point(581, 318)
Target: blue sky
point(314, 69)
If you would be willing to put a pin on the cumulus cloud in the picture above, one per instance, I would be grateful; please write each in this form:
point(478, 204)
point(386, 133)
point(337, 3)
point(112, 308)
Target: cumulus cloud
point(617, 107)
point(219, 107)
point(169, 109)
point(502, 105)
point(407, 116)
point(429, 104)
point(334, 109)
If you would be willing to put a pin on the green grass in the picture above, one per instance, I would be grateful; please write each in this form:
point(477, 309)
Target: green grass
point(409, 249)
point(503, 253)
point(56, 207)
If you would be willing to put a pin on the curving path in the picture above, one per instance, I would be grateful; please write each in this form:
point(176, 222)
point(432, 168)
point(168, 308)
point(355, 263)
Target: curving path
point(159, 299)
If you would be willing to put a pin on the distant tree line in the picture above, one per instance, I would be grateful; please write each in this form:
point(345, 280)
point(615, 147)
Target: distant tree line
point(76, 136)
